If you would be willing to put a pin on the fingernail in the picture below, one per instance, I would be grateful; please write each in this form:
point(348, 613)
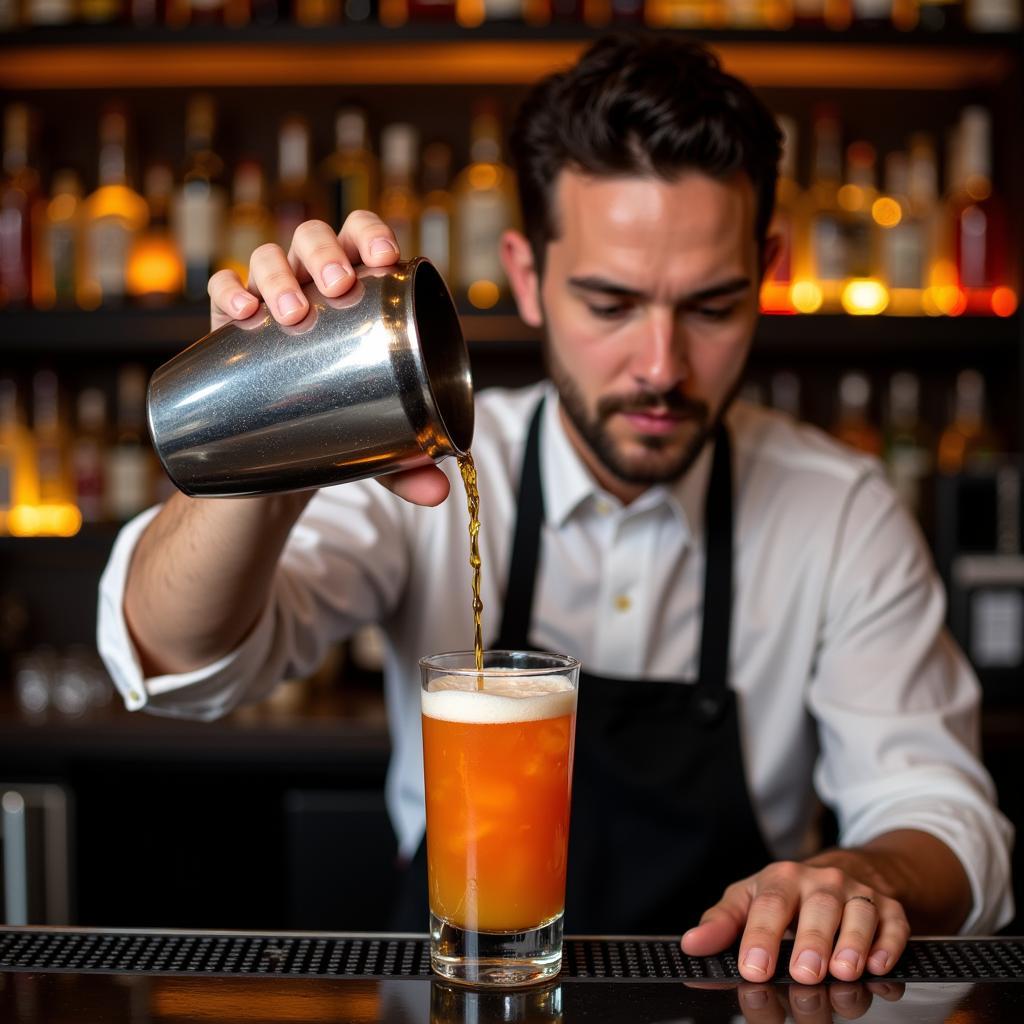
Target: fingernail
point(844, 997)
point(848, 958)
point(240, 303)
point(289, 303)
point(809, 962)
point(688, 933)
point(808, 1002)
point(757, 960)
point(756, 1000)
point(878, 962)
point(382, 247)
point(333, 273)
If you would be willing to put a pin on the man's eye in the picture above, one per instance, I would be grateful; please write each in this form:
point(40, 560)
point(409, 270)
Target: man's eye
point(721, 313)
point(608, 312)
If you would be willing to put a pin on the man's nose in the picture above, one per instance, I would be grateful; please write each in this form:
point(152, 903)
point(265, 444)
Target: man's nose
point(660, 362)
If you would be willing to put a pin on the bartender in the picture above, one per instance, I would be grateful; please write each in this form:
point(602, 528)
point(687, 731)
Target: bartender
point(758, 617)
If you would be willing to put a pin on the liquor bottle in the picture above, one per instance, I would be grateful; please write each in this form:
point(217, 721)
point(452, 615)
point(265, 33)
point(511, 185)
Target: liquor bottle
point(863, 291)
point(60, 243)
point(19, 191)
point(926, 210)
point(223, 13)
point(88, 451)
point(156, 274)
point(100, 12)
point(901, 238)
point(979, 219)
point(485, 206)
point(114, 215)
point(399, 205)
point(359, 11)
point(677, 13)
point(438, 205)
point(431, 10)
point(317, 12)
point(821, 260)
point(49, 12)
point(295, 199)
point(129, 466)
point(10, 15)
point(265, 12)
point(17, 468)
point(940, 15)
point(393, 13)
point(249, 223)
point(853, 424)
point(994, 15)
point(197, 212)
point(908, 447)
point(777, 285)
point(872, 13)
point(968, 442)
point(784, 392)
point(350, 172)
point(54, 487)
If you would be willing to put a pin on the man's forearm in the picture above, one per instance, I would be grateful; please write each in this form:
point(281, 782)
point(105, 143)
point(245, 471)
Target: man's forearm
point(915, 868)
point(201, 574)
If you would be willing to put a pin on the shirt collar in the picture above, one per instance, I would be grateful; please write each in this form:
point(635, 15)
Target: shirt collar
point(568, 484)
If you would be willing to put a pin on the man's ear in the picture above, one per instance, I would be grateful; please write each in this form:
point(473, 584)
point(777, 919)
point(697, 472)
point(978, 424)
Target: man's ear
point(770, 254)
point(517, 259)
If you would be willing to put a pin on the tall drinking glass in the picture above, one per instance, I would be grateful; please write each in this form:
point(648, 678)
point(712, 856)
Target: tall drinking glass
point(497, 760)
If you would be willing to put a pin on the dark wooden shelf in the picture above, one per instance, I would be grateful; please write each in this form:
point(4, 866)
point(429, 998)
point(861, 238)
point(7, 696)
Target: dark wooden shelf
point(122, 56)
point(158, 333)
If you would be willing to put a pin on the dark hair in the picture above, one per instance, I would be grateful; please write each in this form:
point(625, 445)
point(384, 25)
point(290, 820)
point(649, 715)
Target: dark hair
point(640, 103)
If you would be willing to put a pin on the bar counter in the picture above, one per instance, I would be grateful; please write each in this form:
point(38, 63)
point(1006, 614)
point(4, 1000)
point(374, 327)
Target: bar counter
point(59, 976)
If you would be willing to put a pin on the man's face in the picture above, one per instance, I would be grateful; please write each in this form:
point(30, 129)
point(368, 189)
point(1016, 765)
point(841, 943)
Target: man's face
point(649, 301)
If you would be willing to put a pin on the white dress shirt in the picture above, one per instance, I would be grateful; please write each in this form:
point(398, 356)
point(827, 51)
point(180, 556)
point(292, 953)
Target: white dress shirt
point(847, 682)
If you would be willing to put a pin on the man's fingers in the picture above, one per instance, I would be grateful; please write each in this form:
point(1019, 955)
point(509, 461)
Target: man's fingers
point(274, 278)
point(426, 486)
point(365, 238)
point(820, 914)
point(809, 1004)
point(860, 920)
point(760, 1004)
point(850, 1000)
point(720, 925)
point(316, 248)
point(891, 941)
point(771, 910)
point(229, 298)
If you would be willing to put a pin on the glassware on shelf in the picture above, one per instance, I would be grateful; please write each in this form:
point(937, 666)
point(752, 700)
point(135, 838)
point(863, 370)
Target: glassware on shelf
point(854, 425)
point(19, 192)
point(156, 274)
point(399, 204)
point(908, 444)
point(350, 172)
point(968, 441)
point(249, 221)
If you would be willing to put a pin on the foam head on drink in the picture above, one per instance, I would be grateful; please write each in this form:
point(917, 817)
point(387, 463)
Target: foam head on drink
point(498, 770)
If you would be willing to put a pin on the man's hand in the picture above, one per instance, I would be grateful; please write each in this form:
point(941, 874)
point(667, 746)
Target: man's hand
point(327, 259)
point(843, 925)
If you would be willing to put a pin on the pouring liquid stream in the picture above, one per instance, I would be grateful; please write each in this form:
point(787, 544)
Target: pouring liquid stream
point(468, 470)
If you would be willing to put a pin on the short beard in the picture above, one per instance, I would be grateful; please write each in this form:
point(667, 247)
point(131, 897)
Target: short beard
point(593, 429)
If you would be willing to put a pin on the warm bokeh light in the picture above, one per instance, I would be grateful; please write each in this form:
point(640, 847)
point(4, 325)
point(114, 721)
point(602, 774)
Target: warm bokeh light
point(886, 212)
point(58, 520)
point(775, 298)
point(1004, 301)
point(483, 176)
point(806, 296)
point(948, 299)
point(865, 297)
point(483, 294)
point(155, 268)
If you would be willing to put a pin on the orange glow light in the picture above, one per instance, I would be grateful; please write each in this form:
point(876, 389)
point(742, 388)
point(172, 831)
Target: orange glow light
point(806, 296)
point(1004, 301)
point(865, 297)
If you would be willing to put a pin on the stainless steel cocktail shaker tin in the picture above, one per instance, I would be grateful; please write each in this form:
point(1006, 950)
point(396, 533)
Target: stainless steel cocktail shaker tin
point(373, 382)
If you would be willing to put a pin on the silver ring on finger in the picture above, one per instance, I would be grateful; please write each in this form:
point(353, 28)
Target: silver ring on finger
point(866, 899)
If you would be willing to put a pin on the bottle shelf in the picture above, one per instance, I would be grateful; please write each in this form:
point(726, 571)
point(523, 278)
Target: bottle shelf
point(291, 55)
point(140, 333)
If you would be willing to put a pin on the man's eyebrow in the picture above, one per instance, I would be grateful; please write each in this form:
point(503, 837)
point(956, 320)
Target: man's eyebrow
point(596, 283)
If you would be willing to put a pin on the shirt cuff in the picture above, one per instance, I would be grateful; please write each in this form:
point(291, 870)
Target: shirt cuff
point(205, 693)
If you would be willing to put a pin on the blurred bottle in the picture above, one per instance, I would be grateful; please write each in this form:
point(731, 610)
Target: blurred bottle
point(17, 465)
point(350, 172)
point(129, 466)
point(114, 215)
point(88, 451)
point(224, 13)
point(431, 10)
point(993, 15)
point(51, 440)
point(265, 12)
point(60, 243)
point(872, 13)
point(156, 274)
point(358, 11)
point(835, 14)
point(863, 292)
point(853, 424)
point(968, 442)
point(399, 205)
point(249, 223)
point(100, 12)
point(19, 191)
point(148, 13)
point(10, 15)
point(822, 261)
point(393, 13)
point(784, 392)
point(908, 446)
point(295, 198)
point(485, 206)
point(49, 12)
point(317, 12)
point(197, 212)
point(778, 282)
point(678, 13)
point(979, 222)
point(471, 13)
point(940, 15)
point(438, 205)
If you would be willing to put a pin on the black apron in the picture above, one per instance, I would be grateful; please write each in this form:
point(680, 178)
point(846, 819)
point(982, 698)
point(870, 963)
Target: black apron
point(661, 816)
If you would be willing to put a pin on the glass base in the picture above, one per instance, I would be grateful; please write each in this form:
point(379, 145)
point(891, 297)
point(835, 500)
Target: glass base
point(506, 959)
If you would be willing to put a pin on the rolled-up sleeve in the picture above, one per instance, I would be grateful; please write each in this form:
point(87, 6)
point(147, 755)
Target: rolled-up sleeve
point(898, 706)
point(344, 566)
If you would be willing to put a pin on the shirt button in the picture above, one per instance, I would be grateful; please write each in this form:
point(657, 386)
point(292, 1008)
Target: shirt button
point(623, 603)
point(604, 508)
point(134, 695)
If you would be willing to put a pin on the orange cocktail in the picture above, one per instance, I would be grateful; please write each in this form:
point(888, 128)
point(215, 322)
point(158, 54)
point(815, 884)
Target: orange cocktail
point(498, 772)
